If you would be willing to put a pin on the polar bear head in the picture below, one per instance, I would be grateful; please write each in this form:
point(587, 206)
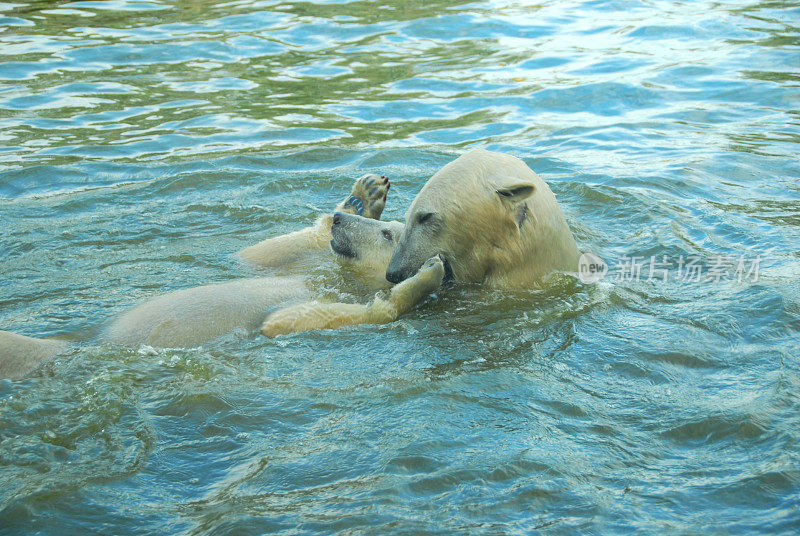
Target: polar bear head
point(491, 218)
point(365, 243)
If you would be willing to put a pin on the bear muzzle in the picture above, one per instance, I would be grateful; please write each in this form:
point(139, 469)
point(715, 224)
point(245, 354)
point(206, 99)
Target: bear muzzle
point(340, 243)
point(396, 273)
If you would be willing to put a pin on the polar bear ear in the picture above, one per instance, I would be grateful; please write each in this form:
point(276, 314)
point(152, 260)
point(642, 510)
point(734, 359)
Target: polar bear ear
point(515, 193)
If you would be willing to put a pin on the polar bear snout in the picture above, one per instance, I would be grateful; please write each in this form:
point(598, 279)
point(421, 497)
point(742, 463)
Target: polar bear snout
point(399, 273)
point(415, 247)
point(401, 267)
point(341, 243)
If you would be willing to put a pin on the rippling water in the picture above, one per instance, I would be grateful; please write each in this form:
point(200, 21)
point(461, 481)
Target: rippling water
point(142, 143)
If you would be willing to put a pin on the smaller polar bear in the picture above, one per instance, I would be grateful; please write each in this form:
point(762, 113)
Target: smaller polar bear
point(492, 220)
point(190, 317)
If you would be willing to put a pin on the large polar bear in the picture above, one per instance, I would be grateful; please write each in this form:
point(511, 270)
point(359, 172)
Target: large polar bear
point(190, 317)
point(492, 220)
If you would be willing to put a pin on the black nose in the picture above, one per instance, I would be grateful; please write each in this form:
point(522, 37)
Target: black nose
point(337, 218)
point(396, 276)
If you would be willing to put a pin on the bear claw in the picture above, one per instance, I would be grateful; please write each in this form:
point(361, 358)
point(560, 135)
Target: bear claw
point(372, 190)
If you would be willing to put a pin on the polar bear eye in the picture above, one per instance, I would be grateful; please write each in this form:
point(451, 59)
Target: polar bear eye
point(425, 216)
point(387, 234)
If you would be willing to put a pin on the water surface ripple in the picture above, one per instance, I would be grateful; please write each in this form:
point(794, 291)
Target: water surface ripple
point(143, 142)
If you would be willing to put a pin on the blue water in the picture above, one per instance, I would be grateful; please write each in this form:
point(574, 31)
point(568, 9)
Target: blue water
point(143, 143)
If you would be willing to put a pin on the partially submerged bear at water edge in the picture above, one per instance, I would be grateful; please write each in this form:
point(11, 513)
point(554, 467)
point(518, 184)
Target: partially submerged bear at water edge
point(190, 317)
point(492, 220)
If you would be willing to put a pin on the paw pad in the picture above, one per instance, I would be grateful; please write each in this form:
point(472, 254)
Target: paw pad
point(355, 204)
point(371, 190)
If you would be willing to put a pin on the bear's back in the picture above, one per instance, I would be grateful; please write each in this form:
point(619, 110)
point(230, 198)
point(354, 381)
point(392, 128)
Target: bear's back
point(187, 318)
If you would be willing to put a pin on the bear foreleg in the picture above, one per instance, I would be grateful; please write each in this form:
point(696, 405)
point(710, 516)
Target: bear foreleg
point(317, 315)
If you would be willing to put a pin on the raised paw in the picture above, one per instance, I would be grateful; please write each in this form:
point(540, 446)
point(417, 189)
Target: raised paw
point(368, 196)
point(414, 289)
point(432, 272)
point(434, 263)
